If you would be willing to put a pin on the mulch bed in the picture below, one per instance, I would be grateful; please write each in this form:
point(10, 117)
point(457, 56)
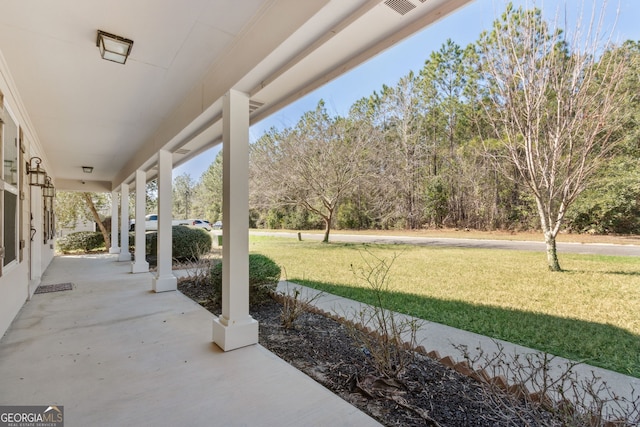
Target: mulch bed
point(426, 393)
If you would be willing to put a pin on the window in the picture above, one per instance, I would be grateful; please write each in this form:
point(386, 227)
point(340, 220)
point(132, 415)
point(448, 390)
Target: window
point(10, 237)
point(9, 186)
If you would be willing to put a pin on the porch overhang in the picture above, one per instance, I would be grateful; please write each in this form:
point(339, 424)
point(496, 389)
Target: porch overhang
point(186, 57)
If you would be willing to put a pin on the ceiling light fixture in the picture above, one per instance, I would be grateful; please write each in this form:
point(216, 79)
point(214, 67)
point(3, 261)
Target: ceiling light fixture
point(113, 48)
point(87, 169)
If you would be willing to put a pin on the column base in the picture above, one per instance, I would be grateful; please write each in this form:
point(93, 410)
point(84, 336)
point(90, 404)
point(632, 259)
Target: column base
point(124, 256)
point(114, 250)
point(139, 267)
point(165, 283)
point(231, 337)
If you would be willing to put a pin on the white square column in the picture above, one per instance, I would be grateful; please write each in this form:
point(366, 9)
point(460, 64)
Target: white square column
point(140, 264)
point(164, 279)
point(235, 328)
point(125, 255)
point(114, 249)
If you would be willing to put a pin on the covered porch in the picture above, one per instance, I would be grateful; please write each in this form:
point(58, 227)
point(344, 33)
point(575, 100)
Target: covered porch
point(122, 347)
point(192, 75)
point(114, 353)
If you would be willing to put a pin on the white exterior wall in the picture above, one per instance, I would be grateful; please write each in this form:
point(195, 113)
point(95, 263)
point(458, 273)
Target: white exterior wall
point(79, 226)
point(38, 264)
point(16, 285)
point(14, 291)
point(47, 252)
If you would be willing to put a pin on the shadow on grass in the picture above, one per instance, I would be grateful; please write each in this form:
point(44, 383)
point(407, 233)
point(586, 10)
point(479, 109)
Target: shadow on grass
point(620, 273)
point(616, 272)
point(597, 344)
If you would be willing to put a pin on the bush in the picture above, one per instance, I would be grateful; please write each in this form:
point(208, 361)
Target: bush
point(85, 241)
point(188, 243)
point(264, 275)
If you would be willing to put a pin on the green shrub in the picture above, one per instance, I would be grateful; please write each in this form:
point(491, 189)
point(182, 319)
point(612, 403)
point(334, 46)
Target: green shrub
point(188, 243)
point(81, 241)
point(264, 275)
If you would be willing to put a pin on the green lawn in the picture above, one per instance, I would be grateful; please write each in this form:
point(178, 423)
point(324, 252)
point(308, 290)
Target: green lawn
point(590, 312)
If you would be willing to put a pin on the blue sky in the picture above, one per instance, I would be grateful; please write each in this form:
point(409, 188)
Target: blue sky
point(463, 27)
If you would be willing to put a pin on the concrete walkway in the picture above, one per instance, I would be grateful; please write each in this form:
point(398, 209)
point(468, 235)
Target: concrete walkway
point(444, 340)
point(115, 354)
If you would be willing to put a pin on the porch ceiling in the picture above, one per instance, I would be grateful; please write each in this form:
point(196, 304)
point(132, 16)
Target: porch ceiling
point(89, 112)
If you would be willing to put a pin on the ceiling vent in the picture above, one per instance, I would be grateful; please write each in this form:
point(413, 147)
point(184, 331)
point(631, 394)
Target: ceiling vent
point(401, 6)
point(254, 105)
point(182, 151)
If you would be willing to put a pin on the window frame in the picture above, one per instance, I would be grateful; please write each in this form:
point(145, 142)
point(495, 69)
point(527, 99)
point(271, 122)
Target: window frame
point(14, 189)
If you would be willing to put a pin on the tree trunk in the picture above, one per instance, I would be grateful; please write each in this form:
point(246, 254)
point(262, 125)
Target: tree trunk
point(327, 228)
point(96, 217)
point(549, 235)
point(552, 253)
point(328, 219)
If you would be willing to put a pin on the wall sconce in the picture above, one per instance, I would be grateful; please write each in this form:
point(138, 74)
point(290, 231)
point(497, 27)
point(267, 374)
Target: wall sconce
point(113, 48)
point(37, 175)
point(49, 190)
point(87, 169)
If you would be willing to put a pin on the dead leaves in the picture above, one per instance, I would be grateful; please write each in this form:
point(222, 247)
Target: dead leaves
point(376, 387)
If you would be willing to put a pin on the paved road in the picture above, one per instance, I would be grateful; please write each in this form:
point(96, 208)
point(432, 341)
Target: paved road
point(578, 248)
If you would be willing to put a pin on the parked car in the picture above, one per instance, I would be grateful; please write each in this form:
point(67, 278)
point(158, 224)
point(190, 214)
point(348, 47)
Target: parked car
point(217, 225)
point(202, 223)
point(151, 223)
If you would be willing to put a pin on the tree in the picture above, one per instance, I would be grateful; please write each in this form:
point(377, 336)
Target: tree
point(362, 207)
point(71, 207)
point(151, 196)
point(208, 193)
point(555, 103)
point(612, 203)
point(402, 157)
point(313, 165)
point(183, 194)
point(443, 80)
point(94, 212)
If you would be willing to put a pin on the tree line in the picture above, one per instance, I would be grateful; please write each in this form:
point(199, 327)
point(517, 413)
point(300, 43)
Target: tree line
point(529, 127)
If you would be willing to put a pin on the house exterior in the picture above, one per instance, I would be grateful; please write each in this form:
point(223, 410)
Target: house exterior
point(199, 73)
point(80, 225)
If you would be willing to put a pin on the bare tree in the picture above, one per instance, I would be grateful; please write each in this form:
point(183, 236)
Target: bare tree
point(402, 156)
point(314, 165)
point(554, 101)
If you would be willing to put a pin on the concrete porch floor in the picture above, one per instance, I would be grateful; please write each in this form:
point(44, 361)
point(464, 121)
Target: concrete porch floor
point(114, 353)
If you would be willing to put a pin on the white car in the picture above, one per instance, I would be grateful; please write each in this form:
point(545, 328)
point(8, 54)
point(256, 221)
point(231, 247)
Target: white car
point(151, 223)
point(202, 223)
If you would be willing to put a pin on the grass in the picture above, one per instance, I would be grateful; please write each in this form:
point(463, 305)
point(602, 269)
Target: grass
point(588, 313)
